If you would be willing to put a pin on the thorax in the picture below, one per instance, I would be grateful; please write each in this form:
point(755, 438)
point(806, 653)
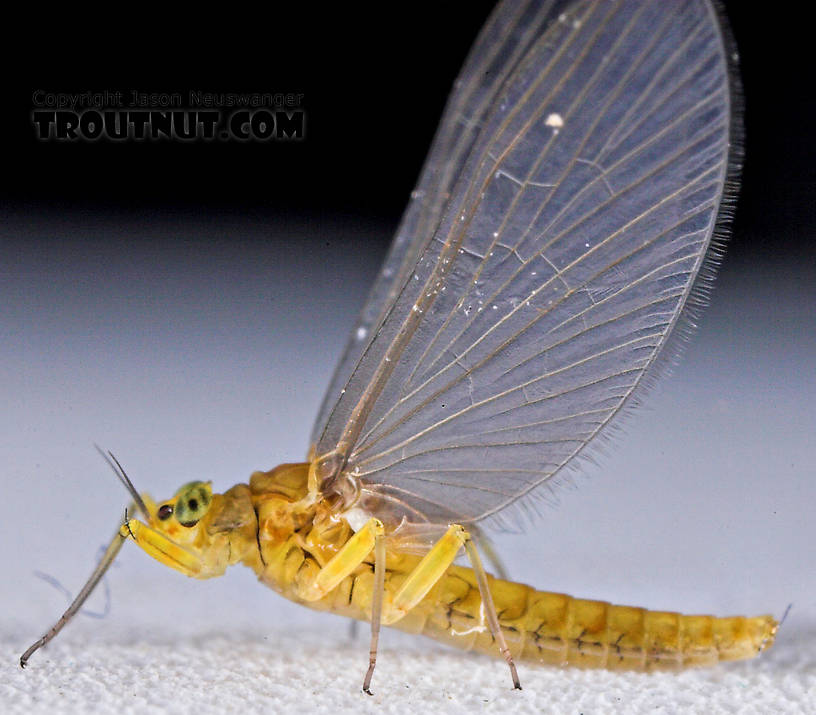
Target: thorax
point(299, 533)
point(293, 528)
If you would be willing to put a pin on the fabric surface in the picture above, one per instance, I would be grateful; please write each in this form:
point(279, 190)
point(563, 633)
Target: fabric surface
point(320, 670)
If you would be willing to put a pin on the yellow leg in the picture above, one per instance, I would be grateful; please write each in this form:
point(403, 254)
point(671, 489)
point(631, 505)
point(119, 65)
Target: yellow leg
point(421, 580)
point(415, 587)
point(431, 568)
point(426, 573)
point(353, 553)
point(160, 547)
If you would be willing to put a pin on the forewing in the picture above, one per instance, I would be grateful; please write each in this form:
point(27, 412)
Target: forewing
point(572, 238)
point(503, 41)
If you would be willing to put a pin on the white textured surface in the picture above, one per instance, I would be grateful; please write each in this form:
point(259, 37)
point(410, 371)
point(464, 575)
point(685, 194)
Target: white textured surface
point(312, 671)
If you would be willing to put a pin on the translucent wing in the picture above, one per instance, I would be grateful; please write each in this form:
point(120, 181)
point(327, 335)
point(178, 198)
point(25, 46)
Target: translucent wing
point(503, 41)
point(577, 225)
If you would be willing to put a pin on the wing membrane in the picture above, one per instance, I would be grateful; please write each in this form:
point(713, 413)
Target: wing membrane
point(560, 263)
point(502, 42)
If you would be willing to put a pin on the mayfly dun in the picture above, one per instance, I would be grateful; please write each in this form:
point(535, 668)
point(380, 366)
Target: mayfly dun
point(567, 218)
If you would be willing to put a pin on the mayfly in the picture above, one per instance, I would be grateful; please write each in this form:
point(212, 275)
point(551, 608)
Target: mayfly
point(567, 217)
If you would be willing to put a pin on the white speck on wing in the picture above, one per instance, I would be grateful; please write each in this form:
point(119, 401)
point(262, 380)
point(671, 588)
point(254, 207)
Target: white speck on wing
point(555, 121)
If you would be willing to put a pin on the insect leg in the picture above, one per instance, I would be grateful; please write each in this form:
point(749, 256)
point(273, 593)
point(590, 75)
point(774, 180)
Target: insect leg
point(353, 553)
point(426, 573)
point(376, 608)
point(157, 545)
point(98, 573)
point(490, 609)
point(487, 549)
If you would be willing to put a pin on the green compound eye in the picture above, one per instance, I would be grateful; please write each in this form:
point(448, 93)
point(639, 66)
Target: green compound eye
point(193, 501)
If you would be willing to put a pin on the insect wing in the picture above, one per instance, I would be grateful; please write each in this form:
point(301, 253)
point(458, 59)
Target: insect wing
point(569, 245)
point(502, 42)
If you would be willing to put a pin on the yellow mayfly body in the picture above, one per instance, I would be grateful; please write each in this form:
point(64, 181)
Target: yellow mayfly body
point(567, 217)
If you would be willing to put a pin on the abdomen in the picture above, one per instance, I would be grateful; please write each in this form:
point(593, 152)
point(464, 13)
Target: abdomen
point(556, 629)
point(549, 628)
